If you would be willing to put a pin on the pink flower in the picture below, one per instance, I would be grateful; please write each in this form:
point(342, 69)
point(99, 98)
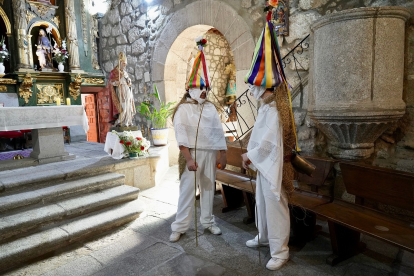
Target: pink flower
point(139, 138)
point(128, 143)
point(121, 142)
point(142, 148)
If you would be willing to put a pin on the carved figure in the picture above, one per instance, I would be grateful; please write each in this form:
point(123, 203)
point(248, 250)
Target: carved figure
point(123, 105)
point(19, 8)
point(25, 89)
point(72, 34)
point(44, 50)
point(74, 87)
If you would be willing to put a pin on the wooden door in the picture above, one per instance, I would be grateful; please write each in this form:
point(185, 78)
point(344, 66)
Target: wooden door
point(90, 109)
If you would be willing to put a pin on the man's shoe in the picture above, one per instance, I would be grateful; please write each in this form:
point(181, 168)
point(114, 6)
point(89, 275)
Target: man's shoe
point(175, 236)
point(275, 263)
point(214, 230)
point(254, 243)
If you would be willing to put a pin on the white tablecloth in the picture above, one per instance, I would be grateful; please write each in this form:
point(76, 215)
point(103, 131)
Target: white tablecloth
point(112, 144)
point(36, 117)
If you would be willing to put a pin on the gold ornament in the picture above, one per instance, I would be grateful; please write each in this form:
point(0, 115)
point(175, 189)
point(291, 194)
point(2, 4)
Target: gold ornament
point(25, 89)
point(96, 81)
point(74, 87)
point(49, 93)
point(7, 81)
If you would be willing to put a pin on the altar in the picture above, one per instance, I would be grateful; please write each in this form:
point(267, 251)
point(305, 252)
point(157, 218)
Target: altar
point(46, 123)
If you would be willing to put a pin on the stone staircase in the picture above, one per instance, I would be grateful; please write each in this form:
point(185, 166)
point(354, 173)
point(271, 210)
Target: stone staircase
point(38, 216)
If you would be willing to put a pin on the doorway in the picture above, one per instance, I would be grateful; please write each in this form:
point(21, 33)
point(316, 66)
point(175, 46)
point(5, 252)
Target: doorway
point(89, 103)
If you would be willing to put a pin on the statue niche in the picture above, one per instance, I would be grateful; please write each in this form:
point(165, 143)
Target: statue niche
point(42, 47)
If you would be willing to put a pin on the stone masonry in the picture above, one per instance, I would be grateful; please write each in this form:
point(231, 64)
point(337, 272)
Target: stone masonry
point(146, 31)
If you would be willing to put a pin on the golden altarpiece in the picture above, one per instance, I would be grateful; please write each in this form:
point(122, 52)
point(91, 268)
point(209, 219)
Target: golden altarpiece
point(31, 30)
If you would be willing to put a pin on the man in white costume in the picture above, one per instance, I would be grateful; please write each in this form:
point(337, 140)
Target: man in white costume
point(210, 140)
point(268, 151)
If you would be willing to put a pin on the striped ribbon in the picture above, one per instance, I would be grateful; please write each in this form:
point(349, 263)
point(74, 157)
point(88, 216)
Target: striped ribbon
point(266, 69)
point(200, 75)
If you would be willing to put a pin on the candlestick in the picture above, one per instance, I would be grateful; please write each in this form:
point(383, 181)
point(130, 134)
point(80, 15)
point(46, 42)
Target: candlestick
point(67, 101)
point(58, 101)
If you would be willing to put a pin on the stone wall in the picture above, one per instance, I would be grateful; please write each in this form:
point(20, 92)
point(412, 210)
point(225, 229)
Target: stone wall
point(218, 55)
point(145, 33)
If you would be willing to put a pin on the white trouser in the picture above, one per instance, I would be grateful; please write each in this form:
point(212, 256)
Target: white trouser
point(273, 220)
point(206, 176)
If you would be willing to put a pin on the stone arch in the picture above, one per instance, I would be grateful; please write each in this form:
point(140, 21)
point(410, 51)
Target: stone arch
point(212, 13)
point(6, 22)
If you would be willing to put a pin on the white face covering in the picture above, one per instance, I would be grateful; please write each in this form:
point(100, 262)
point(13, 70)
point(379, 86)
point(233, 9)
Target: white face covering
point(257, 91)
point(195, 94)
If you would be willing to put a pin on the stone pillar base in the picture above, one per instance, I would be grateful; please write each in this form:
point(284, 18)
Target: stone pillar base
point(350, 154)
point(48, 145)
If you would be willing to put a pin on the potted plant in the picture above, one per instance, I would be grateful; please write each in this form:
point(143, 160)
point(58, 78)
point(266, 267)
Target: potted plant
point(158, 118)
point(4, 54)
point(61, 54)
point(134, 146)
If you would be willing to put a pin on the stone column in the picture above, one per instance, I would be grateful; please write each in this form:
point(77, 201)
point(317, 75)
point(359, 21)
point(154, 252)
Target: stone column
point(19, 8)
point(48, 145)
point(357, 72)
point(72, 37)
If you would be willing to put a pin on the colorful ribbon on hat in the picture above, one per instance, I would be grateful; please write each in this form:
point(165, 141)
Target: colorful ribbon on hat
point(266, 69)
point(199, 74)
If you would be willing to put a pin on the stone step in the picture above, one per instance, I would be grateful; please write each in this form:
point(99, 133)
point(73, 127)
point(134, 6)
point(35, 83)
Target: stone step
point(27, 178)
point(53, 193)
point(23, 222)
point(33, 246)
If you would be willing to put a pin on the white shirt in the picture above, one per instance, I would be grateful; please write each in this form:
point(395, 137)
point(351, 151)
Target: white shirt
point(265, 148)
point(210, 132)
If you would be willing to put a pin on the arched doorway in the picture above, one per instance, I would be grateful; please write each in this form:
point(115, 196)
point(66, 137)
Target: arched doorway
point(179, 62)
point(213, 14)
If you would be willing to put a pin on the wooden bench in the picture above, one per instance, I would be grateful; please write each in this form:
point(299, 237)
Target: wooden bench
point(308, 195)
point(371, 186)
point(238, 189)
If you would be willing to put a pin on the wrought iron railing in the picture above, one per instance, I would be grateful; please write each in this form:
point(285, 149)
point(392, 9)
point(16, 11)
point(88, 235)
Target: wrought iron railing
point(241, 125)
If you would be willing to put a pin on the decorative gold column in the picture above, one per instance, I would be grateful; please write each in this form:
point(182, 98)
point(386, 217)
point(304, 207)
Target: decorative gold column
point(72, 37)
point(19, 8)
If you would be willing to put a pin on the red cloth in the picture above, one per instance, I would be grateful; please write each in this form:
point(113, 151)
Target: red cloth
point(10, 134)
point(113, 110)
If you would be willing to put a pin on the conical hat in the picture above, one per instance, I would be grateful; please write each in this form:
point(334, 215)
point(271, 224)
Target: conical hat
point(200, 75)
point(266, 69)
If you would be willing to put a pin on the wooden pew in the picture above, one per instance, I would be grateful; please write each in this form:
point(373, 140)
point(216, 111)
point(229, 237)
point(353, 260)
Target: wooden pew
point(238, 189)
point(370, 185)
point(304, 201)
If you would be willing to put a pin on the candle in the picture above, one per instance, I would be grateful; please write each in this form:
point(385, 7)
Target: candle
point(67, 101)
point(58, 101)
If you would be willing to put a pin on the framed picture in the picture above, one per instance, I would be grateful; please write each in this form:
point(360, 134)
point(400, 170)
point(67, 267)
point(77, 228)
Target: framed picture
point(280, 18)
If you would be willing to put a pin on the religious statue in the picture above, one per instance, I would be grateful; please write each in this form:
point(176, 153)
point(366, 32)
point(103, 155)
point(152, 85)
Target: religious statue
point(19, 8)
point(44, 50)
point(72, 34)
point(123, 105)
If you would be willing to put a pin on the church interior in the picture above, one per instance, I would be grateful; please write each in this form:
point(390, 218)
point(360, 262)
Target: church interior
point(91, 163)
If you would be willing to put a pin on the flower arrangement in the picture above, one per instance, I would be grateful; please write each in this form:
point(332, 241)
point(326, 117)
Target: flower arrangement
point(4, 53)
point(61, 54)
point(133, 144)
point(201, 41)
